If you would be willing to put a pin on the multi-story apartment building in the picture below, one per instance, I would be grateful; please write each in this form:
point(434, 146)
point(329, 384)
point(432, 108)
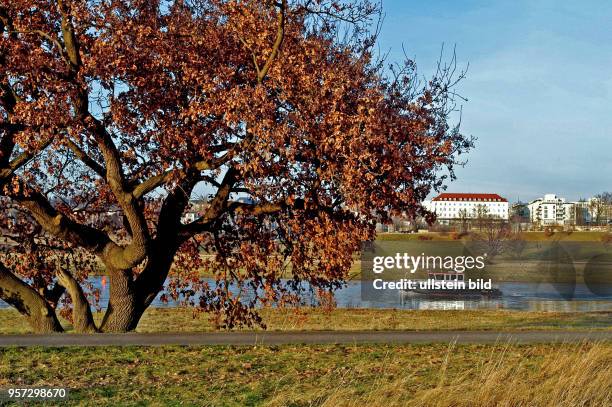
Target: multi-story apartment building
point(457, 206)
point(551, 210)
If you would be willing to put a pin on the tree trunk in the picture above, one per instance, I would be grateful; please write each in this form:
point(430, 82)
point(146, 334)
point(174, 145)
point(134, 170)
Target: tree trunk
point(39, 313)
point(124, 310)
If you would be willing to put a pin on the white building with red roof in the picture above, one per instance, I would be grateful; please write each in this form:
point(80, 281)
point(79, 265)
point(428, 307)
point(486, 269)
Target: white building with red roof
point(454, 206)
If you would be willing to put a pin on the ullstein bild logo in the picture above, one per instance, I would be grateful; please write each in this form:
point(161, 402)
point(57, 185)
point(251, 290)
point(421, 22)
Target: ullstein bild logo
point(430, 284)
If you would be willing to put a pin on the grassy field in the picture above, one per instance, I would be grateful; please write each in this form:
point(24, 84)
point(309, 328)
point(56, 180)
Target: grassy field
point(364, 375)
point(183, 320)
point(355, 271)
point(327, 375)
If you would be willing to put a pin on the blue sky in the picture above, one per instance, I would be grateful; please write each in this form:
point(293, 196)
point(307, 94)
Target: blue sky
point(539, 88)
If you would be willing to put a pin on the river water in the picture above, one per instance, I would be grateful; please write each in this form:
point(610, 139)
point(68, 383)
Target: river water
point(516, 296)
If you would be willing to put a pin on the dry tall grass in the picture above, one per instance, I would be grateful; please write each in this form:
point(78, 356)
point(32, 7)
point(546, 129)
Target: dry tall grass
point(576, 376)
point(573, 375)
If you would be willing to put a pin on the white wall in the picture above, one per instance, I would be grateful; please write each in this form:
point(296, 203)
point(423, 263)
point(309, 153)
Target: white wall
point(455, 209)
point(550, 210)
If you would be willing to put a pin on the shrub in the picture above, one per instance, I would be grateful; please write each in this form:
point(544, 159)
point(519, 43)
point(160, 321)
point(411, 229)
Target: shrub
point(458, 235)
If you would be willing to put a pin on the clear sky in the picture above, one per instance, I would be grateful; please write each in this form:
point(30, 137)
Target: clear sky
point(539, 88)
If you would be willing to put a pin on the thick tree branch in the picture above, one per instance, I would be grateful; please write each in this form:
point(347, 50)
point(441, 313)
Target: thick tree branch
point(44, 213)
point(70, 43)
point(167, 241)
point(61, 226)
point(270, 208)
point(151, 183)
point(256, 209)
point(213, 164)
point(158, 180)
point(28, 302)
point(134, 253)
point(82, 318)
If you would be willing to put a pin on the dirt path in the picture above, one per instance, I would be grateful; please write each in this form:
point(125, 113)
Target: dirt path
point(311, 337)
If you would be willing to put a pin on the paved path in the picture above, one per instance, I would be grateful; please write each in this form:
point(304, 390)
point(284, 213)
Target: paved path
point(311, 337)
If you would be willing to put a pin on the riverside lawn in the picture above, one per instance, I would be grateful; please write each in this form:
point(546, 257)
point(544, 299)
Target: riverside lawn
point(327, 375)
point(307, 318)
point(319, 375)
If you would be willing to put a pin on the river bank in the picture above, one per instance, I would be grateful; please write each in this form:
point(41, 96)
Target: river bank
point(309, 319)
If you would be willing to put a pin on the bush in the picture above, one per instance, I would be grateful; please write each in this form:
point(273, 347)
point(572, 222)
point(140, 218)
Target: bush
point(436, 227)
point(458, 235)
point(425, 237)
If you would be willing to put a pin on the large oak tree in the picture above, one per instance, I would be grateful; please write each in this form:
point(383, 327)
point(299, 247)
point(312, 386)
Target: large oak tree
point(113, 113)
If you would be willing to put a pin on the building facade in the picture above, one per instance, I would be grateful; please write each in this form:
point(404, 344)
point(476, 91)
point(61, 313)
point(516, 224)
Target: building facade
point(551, 210)
point(461, 206)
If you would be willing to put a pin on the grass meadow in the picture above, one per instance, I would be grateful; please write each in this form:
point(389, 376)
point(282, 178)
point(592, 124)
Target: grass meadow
point(340, 375)
point(307, 319)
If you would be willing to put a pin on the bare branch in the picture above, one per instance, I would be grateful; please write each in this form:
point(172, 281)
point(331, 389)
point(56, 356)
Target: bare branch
point(21, 160)
point(280, 33)
point(216, 207)
point(44, 35)
point(86, 159)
